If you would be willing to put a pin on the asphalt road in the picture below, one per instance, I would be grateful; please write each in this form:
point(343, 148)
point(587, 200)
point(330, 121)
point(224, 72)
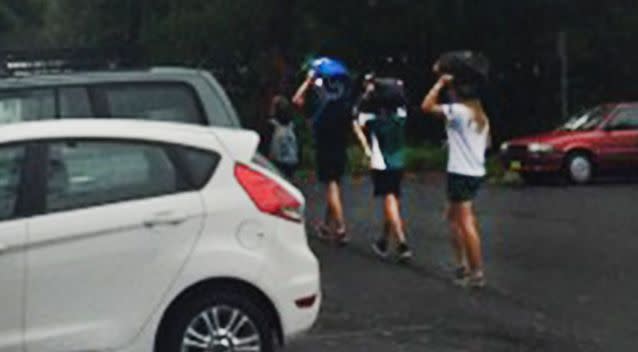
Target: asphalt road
point(560, 265)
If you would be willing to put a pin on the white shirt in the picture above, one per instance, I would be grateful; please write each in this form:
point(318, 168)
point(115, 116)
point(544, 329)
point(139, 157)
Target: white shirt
point(467, 144)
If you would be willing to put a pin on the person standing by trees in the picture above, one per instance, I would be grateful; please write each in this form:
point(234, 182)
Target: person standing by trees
point(381, 112)
point(468, 130)
point(284, 149)
point(325, 96)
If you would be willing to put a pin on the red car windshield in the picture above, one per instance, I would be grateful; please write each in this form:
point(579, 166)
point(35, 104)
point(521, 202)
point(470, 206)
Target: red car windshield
point(587, 121)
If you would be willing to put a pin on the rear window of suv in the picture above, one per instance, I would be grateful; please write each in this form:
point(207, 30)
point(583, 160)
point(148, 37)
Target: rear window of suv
point(163, 101)
point(152, 101)
point(26, 104)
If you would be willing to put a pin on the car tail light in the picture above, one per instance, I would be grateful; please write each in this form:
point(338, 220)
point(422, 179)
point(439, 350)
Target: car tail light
point(268, 195)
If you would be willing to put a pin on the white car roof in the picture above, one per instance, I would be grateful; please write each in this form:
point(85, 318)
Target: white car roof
point(144, 130)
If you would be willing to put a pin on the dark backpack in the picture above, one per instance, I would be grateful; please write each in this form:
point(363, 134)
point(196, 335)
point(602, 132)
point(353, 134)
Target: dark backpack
point(466, 66)
point(388, 93)
point(331, 102)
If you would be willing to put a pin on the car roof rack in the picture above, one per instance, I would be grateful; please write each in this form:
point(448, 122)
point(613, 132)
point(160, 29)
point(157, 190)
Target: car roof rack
point(20, 63)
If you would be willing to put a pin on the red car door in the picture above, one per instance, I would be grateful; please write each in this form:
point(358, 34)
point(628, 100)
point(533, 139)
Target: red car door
point(619, 148)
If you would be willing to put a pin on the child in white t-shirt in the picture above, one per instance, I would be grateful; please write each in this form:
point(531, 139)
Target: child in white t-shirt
point(468, 131)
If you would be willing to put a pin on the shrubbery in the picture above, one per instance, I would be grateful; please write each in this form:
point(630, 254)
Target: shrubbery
point(420, 158)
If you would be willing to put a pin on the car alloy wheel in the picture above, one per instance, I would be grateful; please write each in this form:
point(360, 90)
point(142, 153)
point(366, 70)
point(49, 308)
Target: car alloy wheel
point(221, 319)
point(221, 329)
point(580, 169)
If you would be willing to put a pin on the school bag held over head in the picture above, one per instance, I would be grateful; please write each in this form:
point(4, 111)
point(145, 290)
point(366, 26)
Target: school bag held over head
point(283, 145)
point(388, 92)
point(466, 66)
point(331, 92)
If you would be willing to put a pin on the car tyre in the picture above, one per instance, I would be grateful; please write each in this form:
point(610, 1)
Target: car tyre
point(218, 321)
point(579, 168)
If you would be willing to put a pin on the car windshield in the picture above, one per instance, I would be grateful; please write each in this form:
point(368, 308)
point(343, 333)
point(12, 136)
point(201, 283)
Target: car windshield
point(586, 121)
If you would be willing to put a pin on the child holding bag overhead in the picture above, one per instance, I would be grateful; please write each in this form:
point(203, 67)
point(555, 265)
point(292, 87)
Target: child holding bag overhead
point(468, 131)
point(379, 125)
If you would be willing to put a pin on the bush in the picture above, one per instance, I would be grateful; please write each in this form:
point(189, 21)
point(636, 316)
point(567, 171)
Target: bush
point(357, 162)
point(418, 158)
point(425, 157)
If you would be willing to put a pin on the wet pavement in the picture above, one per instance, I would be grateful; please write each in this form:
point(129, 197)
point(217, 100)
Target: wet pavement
point(559, 262)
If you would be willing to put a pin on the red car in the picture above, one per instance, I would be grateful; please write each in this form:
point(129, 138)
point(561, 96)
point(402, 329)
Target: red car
point(602, 140)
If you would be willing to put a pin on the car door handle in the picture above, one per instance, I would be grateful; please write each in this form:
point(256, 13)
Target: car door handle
point(165, 219)
point(3, 247)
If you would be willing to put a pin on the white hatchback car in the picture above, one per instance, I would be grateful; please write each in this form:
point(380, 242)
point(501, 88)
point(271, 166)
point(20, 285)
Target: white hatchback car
point(123, 235)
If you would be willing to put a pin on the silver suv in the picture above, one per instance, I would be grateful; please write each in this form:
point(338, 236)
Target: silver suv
point(162, 93)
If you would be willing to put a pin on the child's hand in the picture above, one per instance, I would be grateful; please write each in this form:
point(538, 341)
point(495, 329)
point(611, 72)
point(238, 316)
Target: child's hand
point(312, 75)
point(446, 79)
point(367, 158)
point(367, 152)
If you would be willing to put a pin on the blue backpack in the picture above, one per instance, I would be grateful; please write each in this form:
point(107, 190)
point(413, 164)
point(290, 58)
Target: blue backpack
point(331, 92)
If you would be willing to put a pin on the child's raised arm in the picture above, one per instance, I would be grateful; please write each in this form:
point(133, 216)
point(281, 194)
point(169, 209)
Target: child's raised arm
point(299, 99)
point(430, 103)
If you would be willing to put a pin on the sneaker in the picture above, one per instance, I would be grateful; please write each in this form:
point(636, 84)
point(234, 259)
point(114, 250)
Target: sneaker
point(380, 247)
point(403, 252)
point(342, 238)
point(477, 280)
point(461, 276)
point(323, 232)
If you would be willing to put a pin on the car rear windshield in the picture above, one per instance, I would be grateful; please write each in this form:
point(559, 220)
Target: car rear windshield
point(26, 105)
point(152, 101)
point(165, 101)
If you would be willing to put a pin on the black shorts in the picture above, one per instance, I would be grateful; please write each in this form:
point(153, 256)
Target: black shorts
point(330, 153)
point(387, 182)
point(331, 164)
point(462, 188)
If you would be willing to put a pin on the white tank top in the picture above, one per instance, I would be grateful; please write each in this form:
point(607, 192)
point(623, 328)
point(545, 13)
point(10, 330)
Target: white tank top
point(467, 145)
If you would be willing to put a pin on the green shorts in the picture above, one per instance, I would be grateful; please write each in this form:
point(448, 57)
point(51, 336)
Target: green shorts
point(462, 188)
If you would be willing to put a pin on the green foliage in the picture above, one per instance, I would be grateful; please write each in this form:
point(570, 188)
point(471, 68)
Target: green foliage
point(357, 162)
point(418, 159)
point(242, 41)
point(425, 157)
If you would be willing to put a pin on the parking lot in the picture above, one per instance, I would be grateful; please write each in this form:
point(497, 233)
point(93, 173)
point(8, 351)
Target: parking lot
point(559, 263)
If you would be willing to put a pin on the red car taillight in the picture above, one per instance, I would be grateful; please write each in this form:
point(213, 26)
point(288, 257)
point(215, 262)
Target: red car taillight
point(268, 195)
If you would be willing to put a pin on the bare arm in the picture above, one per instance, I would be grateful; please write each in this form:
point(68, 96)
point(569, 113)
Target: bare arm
point(299, 99)
point(358, 131)
point(430, 103)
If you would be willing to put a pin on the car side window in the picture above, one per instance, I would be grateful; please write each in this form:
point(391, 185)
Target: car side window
point(91, 173)
point(153, 101)
point(201, 164)
point(26, 104)
point(74, 102)
point(625, 119)
point(11, 160)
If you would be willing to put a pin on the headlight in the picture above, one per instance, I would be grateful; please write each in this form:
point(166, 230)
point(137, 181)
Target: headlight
point(505, 146)
point(540, 148)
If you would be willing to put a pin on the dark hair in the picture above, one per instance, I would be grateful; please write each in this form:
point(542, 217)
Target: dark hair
point(281, 109)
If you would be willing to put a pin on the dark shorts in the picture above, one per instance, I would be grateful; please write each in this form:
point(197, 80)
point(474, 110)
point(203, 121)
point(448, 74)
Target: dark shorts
point(461, 188)
point(330, 153)
point(387, 182)
point(331, 164)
